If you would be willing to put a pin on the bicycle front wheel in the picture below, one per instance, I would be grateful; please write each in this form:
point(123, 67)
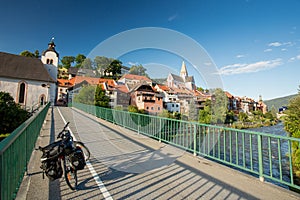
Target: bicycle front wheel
point(70, 174)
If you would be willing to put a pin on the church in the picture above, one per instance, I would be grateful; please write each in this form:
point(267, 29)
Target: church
point(30, 81)
point(184, 81)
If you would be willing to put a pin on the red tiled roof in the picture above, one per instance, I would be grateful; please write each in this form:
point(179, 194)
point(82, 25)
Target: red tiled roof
point(136, 77)
point(163, 87)
point(90, 80)
point(122, 88)
point(64, 82)
point(110, 82)
point(228, 94)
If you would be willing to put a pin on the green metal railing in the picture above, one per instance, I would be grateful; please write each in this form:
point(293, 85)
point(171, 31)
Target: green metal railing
point(15, 152)
point(266, 156)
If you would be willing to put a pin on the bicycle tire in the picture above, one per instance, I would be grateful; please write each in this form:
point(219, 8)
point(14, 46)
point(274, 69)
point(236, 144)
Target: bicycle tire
point(70, 174)
point(84, 148)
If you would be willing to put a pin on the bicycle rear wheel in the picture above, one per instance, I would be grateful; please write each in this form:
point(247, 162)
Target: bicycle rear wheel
point(70, 174)
point(84, 148)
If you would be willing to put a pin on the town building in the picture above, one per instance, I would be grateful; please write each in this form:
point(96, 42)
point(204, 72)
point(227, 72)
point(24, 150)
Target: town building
point(27, 80)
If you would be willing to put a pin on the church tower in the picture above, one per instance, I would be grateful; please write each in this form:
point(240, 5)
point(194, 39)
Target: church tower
point(183, 71)
point(50, 60)
point(50, 56)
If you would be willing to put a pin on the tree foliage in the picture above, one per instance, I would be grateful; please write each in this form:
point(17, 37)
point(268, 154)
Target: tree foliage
point(79, 59)
point(101, 99)
point(11, 114)
point(114, 68)
point(102, 63)
point(28, 54)
point(292, 125)
point(219, 106)
point(86, 95)
point(138, 70)
point(87, 64)
point(205, 114)
point(67, 61)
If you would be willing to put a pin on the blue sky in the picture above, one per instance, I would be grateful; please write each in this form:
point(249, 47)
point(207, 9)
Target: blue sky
point(255, 44)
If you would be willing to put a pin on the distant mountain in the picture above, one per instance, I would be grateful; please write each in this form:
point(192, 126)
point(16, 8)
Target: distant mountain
point(279, 102)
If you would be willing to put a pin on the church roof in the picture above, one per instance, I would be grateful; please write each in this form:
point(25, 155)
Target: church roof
point(177, 78)
point(21, 67)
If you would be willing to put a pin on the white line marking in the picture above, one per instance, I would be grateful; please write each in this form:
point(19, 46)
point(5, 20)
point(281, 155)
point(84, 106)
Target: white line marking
point(99, 182)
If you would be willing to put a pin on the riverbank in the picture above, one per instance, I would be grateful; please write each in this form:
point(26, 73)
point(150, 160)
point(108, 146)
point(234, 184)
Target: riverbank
point(247, 125)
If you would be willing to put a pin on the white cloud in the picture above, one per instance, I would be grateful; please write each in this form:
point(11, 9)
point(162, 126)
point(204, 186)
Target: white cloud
point(249, 68)
point(267, 50)
point(275, 44)
point(283, 49)
point(133, 63)
point(294, 58)
point(240, 56)
point(172, 17)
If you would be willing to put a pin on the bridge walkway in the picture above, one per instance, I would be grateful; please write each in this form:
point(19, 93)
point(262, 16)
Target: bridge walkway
point(126, 165)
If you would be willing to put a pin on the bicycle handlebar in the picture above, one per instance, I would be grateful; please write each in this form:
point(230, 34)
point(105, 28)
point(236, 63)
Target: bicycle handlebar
point(64, 129)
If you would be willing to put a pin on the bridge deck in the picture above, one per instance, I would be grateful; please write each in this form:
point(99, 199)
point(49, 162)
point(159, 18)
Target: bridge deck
point(130, 166)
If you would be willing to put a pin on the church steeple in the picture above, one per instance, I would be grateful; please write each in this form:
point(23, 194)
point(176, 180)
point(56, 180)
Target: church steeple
point(183, 71)
point(50, 56)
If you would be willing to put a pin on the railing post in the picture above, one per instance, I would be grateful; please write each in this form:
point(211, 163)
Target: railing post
point(139, 124)
point(195, 140)
point(159, 130)
point(260, 158)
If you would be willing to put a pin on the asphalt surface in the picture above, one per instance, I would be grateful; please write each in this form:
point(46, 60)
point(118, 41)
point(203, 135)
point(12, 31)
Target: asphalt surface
point(127, 165)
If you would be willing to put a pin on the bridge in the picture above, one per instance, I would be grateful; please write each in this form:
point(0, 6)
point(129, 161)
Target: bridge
point(128, 164)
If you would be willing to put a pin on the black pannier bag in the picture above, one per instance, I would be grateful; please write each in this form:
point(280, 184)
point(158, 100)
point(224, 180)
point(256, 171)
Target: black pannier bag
point(52, 167)
point(77, 159)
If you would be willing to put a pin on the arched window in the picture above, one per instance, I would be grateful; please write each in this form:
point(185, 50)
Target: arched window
point(51, 61)
point(42, 99)
point(48, 61)
point(22, 88)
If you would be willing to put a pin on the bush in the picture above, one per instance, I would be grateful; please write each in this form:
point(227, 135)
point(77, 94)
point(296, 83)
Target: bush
point(11, 114)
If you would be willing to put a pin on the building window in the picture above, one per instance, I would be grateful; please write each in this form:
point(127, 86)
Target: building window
point(51, 61)
point(147, 108)
point(151, 108)
point(158, 108)
point(22, 93)
point(48, 61)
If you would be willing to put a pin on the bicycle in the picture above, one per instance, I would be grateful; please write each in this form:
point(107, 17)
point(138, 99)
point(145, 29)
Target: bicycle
point(74, 155)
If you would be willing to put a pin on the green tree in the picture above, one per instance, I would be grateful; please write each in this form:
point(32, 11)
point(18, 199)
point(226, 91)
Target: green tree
point(11, 114)
point(205, 114)
point(114, 68)
point(79, 59)
point(67, 61)
point(243, 117)
point(87, 64)
point(138, 70)
point(102, 63)
point(230, 117)
point(86, 95)
point(133, 109)
point(100, 97)
point(36, 53)
point(219, 106)
point(292, 126)
point(27, 54)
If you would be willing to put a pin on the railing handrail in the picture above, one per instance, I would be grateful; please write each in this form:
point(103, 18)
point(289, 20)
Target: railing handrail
point(4, 144)
point(15, 152)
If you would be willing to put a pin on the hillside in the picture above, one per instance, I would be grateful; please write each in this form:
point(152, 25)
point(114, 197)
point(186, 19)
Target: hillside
point(279, 102)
